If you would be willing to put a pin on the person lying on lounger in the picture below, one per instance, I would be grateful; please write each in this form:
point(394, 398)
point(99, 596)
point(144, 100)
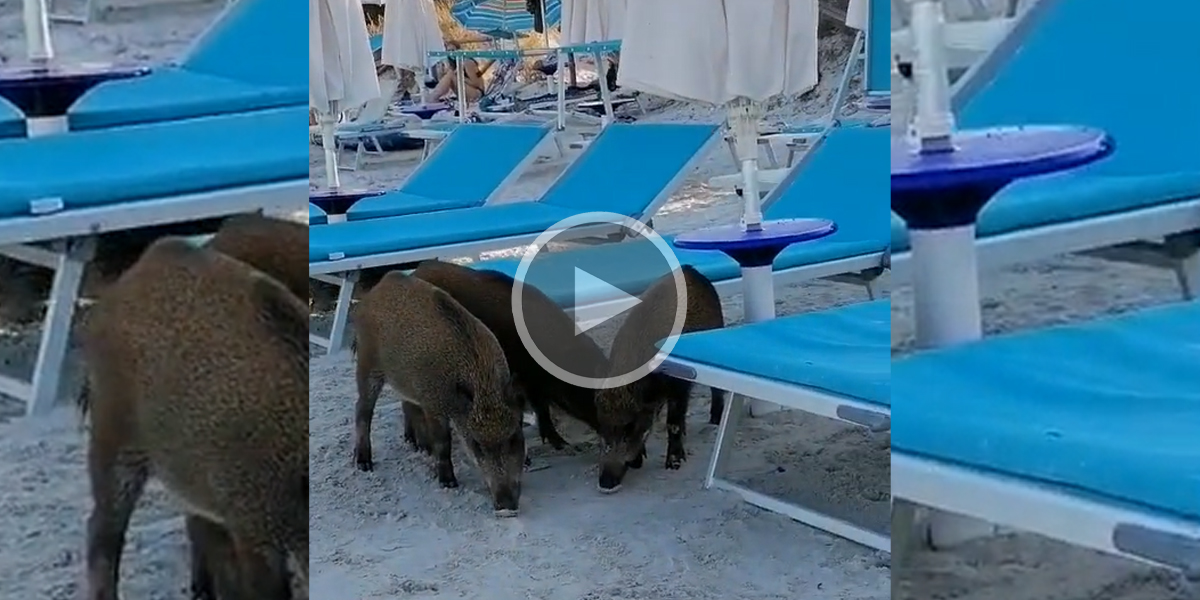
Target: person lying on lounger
point(447, 83)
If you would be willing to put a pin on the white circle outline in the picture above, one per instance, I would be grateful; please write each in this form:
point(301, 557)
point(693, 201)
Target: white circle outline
point(593, 218)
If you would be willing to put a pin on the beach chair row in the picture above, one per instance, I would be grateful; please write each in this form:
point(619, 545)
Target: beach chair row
point(951, 399)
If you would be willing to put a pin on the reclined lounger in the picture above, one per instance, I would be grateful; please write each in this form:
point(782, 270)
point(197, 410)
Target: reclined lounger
point(468, 169)
point(834, 364)
point(830, 183)
point(252, 58)
point(1148, 189)
point(133, 177)
point(630, 170)
point(1083, 433)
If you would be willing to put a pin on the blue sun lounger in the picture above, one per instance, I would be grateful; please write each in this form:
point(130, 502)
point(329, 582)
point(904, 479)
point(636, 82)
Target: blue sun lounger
point(467, 170)
point(250, 59)
point(133, 177)
point(835, 364)
point(629, 170)
point(834, 181)
point(1148, 190)
point(1083, 433)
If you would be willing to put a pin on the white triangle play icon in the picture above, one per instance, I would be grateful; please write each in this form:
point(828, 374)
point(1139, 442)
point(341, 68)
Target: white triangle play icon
point(590, 286)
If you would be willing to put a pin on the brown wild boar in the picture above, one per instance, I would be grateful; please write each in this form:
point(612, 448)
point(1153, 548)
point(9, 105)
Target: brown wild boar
point(488, 296)
point(627, 413)
point(198, 375)
point(277, 247)
point(415, 337)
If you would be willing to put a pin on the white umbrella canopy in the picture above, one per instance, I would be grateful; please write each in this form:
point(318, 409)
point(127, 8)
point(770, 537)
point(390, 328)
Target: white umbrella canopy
point(410, 33)
point(857, 14)
point(738, 53)
point(585, 21)
point(341, 67)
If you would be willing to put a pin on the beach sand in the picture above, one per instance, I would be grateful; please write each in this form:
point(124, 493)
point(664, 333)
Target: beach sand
point(394, 534)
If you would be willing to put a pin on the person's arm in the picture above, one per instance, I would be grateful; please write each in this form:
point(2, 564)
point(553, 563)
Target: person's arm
point(445, 84)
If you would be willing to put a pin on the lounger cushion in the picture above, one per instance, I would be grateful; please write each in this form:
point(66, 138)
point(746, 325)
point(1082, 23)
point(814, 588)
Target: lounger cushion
point(395, 204)
point(467, 169)
point(174, 93)
point(430, 230)
point(1107, 408)
point(316, 216)
point(842, 352)
point(99, 167)
point(12, 121)
point(1052, 200)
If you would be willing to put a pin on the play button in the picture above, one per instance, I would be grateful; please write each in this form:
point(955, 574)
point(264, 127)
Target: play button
point(594, 285)
point(585, 284)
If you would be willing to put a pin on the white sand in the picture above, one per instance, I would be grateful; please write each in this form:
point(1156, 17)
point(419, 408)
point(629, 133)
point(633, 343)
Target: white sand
point(393, 534)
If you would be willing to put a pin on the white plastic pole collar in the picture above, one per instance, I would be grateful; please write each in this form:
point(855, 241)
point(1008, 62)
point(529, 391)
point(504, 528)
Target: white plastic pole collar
point(743, 120)
point(37, 32)
point(934, 122)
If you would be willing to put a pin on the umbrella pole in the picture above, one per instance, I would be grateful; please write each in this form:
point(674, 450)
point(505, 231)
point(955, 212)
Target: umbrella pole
point(743, 120)
point(460, 75)
point(329, 144)
point(758, 285)
point(560, 75)
point(37, 32)
point(605, 94)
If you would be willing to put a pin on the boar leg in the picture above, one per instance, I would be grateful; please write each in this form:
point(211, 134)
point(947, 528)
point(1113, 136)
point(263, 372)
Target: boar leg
point(439, 440)
point(717, 408)
point(118, 476)
point(370, 385)
point(677, 408)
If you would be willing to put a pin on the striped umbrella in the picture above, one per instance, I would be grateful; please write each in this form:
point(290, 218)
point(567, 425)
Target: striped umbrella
point(509, 16)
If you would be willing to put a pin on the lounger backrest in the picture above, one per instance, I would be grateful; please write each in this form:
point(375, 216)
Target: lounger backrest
point(316, 216)
point(878, 67)
point(841, 181)
point(631, 169)
point(1113, 64)
point(475, 161)
point(255, 41)
point(375, 110)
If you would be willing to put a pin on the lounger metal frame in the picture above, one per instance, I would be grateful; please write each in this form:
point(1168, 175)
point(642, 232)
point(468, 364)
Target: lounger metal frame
point(1138, 534)
point(343, 273)
point(740, 386)
point(65, 242)
point(1121, 236)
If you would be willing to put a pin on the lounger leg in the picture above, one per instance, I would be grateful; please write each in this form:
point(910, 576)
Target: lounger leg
point(770, 151)
point(734, 409)
point(341, 314)
point(56, 328)
point(905, 536)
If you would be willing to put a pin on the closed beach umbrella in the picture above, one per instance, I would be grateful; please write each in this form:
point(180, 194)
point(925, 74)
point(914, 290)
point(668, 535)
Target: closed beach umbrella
point(508, 16)
point(341, 67)
point(410, 33)
point(736, 53)
point(586, 21)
